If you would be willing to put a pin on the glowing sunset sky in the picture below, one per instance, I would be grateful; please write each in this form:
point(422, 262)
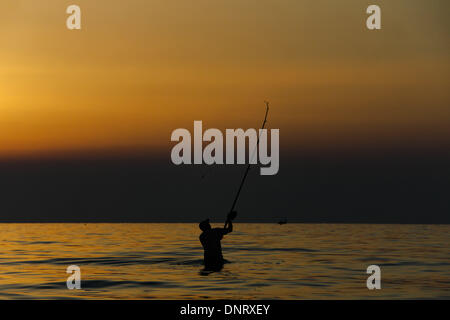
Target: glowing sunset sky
point(139, 69)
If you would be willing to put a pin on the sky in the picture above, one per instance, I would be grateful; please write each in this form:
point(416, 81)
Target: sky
point(139, 70)
point(364, 116)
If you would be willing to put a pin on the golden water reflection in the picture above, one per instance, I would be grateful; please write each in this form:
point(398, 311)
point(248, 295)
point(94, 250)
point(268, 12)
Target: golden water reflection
point(163, 261)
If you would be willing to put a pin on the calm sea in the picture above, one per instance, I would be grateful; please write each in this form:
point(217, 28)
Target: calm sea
point(266, 261)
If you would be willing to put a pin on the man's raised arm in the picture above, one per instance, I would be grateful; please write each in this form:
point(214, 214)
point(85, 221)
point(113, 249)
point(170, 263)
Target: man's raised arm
point(229, 227)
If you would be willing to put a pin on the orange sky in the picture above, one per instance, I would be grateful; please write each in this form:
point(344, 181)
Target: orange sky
point(139, 69)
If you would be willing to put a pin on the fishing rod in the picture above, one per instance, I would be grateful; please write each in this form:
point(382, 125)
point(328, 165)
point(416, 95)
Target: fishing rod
point(232, 214)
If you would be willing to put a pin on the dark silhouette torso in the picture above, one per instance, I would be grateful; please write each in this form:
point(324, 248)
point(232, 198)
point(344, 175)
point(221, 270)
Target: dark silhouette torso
point(210, 240)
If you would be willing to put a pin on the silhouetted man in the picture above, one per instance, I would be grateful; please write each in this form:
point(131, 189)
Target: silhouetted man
point(210, 239)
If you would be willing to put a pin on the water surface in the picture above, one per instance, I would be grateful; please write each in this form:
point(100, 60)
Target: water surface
point(267, 261)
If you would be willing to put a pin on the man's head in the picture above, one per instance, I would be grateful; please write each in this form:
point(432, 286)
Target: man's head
point(204, 225)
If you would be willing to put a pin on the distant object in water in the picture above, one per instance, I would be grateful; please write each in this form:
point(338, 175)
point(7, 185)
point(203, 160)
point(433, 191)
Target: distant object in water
point(282, 222)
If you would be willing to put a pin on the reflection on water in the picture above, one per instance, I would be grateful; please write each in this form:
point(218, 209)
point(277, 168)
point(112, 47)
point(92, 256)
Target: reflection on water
point(163, 261)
